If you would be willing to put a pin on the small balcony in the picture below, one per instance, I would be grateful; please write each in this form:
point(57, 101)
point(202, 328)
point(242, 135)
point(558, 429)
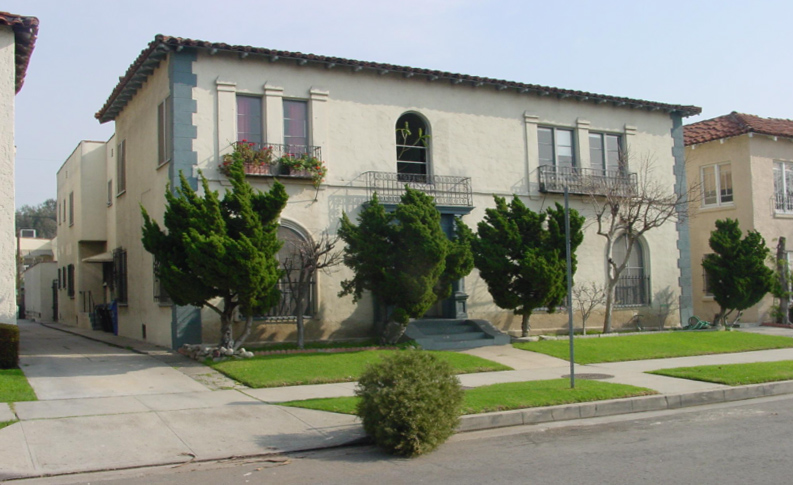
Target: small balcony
point(447, 190)
point(783, 202)
point(264, 159)
point(587, 181)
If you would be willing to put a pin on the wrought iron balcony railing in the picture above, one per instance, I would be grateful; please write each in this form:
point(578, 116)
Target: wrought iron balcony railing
point(783, 202)
point(447, 190)
point(587, 181)
point(265, 156)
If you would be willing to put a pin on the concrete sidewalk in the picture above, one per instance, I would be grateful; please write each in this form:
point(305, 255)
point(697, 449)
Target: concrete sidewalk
point(106, 402)
point(103, 407)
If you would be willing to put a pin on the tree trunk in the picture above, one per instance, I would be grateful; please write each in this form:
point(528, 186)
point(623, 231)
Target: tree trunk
point(245, 333)
point(784, 284)
point(525, 328)
point(611, 294)
point(226, 332)
point(301, 310)
point(583, 325)
point(720, 319)
point(380, 318)
point(393, 332)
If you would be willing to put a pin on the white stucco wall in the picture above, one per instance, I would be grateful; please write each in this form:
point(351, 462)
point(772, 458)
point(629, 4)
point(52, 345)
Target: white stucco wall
point(145, 185)
point(481, 133)
point(487, 135)
point(8, 303)
point(38, 291)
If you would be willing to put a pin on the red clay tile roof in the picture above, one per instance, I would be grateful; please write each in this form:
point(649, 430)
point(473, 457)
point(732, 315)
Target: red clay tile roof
point(735, 124)
point(149, 58)
point(26, 30)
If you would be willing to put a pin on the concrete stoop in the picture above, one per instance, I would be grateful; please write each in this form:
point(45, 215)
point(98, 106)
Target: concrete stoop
point(452, 334)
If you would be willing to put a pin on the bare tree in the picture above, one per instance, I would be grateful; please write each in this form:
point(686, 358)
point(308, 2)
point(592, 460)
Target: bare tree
point(588, 296)
point(632, 206)
point(303, 261)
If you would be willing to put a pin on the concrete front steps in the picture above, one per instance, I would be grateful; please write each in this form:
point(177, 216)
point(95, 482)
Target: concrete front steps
point(451, 334)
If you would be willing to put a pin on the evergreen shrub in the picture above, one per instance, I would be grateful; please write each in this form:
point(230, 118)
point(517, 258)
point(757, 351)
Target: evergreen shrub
point(9, 346)
point(410, 402)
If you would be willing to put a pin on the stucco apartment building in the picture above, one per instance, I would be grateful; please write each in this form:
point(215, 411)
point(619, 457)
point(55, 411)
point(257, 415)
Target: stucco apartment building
point(17, 40)
point(744, 164)
point(183, 102)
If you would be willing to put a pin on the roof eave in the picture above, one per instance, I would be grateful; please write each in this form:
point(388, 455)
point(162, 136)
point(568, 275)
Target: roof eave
point(25, 33)
point(159, 47)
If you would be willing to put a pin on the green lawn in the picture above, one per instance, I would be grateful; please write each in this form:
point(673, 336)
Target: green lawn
point(320, 368)
point(734, 374)
point(656, 346)
point(502, 397)
point(14, 386)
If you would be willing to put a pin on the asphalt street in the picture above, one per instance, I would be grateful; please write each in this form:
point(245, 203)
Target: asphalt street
point(724, 444)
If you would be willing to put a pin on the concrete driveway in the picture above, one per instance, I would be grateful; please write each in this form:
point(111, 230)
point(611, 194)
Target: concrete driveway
point(60, 365)
point(102, 407)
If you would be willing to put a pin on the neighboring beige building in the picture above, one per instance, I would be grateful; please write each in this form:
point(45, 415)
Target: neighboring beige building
point(41, 290)
point(34, 250)
point(84, 207)
point(745, 166)
point(39, 269)
point(17, 39)
point(182, 103)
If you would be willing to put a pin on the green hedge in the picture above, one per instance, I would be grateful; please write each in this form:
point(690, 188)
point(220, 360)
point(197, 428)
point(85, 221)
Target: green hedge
point(9, 346)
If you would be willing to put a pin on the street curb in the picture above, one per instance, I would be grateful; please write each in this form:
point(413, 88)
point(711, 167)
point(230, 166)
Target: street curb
point(595, 409)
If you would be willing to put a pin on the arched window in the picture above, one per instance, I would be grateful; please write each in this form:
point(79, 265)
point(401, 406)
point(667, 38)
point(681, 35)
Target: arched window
point(633, 287)
point(412, 147)
point(289, 257)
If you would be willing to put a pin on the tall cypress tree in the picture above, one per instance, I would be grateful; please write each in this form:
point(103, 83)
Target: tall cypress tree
point(222, 249)
point(737, 274)
point(404, 258)
point(522, 260)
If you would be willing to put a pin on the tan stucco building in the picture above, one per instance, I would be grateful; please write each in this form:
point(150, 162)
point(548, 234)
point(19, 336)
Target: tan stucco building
point(17, 39)
point(744, 164)
point(182, 104)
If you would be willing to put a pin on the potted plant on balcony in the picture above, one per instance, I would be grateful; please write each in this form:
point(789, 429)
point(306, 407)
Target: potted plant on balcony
point(255, 158)
point(304, 165)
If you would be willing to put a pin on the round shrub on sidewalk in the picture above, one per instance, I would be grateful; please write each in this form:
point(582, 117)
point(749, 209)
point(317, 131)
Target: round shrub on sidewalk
point(410, 402)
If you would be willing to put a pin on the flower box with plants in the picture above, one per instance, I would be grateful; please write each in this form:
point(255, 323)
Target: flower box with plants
point(265, 160)
point(256, 159)
point(304, 165)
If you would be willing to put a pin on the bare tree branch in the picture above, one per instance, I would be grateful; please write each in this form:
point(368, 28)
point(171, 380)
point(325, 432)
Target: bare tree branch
point(304, 259)
point(622, 208)
point(588, 296)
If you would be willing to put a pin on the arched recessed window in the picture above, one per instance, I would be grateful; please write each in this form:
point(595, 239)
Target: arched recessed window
point(633, 287)
point(289, 257)
point(412, 147)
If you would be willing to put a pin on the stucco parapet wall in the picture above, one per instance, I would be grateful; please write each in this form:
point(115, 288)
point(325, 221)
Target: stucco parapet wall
point(26, 31)
point(150, 57)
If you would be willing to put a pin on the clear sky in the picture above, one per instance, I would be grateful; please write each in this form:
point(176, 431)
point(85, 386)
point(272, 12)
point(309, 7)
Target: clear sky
point(720, 55)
